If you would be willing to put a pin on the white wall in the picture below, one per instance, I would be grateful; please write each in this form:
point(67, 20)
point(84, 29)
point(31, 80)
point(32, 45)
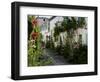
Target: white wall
point(55, 20)
point(52, 26)
point(5, 41)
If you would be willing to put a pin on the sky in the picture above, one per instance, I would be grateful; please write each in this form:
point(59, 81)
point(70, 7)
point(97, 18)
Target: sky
point(46, 16)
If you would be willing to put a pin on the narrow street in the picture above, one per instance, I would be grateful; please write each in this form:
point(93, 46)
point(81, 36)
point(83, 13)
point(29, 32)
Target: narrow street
point(57, 59)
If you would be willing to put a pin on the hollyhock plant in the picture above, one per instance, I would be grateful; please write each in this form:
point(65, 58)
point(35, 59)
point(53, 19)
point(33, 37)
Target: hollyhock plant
point(34, 35)
point(34, 22)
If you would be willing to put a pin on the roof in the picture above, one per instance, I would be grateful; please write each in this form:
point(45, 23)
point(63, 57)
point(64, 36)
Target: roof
point(52, 18)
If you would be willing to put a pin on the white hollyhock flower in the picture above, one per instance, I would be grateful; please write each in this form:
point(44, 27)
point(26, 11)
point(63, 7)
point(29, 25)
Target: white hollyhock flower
point(34, 46)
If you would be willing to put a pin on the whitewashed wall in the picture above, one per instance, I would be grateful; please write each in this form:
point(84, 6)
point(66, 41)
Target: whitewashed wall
point(63, 35)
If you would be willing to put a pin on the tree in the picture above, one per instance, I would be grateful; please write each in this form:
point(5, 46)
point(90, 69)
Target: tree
point(71, 24)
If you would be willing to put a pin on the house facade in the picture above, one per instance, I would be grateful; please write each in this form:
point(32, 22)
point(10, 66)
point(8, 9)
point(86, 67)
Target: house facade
point(44, 26)
point(48, 25)
point(81, 32)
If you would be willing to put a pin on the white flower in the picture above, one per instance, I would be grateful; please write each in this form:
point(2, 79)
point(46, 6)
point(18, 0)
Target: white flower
point(32, 40)
point(34, 46)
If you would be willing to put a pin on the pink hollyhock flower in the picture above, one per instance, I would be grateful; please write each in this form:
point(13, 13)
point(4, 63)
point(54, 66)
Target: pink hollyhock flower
point(34, 22)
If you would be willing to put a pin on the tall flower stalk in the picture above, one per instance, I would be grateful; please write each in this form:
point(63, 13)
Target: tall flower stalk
point(34, 45)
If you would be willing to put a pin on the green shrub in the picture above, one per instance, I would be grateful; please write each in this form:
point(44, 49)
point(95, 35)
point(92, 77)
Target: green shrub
point(80, 55)
point(37, 58)
point(48, 44)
